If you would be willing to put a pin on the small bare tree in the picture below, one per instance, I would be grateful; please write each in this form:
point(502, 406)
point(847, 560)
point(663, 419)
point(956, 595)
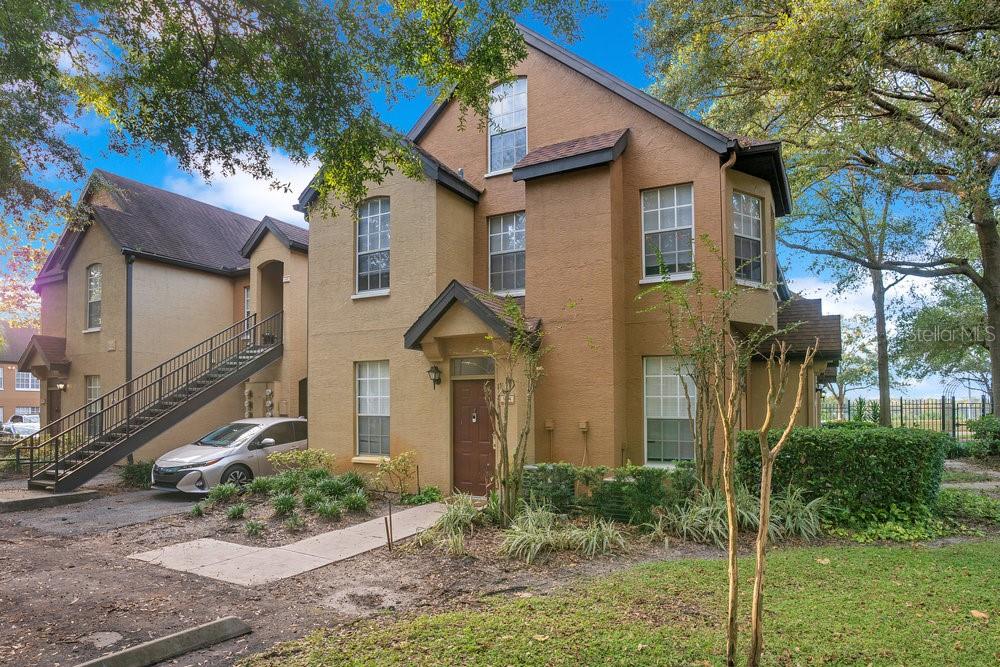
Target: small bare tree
point(777, 378)
point(516, 362)
point(718, 360)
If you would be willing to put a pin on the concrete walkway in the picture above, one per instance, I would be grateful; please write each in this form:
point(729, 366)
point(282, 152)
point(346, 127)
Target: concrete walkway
point(253, 566)
point(991, 485)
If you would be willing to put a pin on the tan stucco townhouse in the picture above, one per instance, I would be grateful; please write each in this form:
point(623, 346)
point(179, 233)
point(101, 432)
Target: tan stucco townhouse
point(563, 198)
point(564, 201)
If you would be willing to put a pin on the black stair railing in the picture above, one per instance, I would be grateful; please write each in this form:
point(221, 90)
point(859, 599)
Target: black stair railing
point(128, 408)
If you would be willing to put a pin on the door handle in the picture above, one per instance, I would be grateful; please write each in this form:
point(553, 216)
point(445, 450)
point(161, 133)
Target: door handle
point(475, 416)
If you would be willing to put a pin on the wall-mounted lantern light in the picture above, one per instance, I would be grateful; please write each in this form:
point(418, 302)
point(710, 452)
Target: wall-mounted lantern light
point(61, 386)
point(434, 373)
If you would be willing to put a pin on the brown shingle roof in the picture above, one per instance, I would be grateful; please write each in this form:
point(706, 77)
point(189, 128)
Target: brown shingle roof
point(496, 304)
point(51, 348)
point(571, 148)
point(13, 341)
point(486, 306)
point(805, 323)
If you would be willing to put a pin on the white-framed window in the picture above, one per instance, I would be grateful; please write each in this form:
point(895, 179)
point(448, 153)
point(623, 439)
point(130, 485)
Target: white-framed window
point(748, 233)
point(507, 253)
point(28, 410)
point(3, 372)
point(26, 382)
point(508, 124)
point(668, 230)
point(668, 430)
point(92, 392)
point(246, 301)
point(94, 279)
point(372, 379)
point(373, 245)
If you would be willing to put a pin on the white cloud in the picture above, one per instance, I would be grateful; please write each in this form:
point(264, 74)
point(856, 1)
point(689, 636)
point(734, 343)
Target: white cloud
point(244, 194)
point(854, 302)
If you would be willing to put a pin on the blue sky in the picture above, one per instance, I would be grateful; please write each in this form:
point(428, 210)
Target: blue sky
point(609, 42)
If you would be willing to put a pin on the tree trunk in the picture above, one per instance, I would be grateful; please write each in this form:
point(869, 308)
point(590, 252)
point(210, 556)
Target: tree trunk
point(882, 348)
point(989, 246)
point(732, 547)
point(757, 604)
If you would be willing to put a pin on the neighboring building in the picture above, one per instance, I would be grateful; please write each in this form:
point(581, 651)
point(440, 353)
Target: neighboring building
point(18, 390)
point(563, 198)
point(154, 274)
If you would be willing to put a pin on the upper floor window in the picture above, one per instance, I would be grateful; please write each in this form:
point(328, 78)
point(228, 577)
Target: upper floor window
point(373, 245)
point(508, 124)
point(94, 296)
point(748, 235)
point(507, 253)
point(26, 382)
point(668, 229)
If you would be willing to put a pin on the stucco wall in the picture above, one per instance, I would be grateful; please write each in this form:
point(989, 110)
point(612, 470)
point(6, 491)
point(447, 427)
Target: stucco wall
point(174, 308)
point(430, 245)
point(279, 278)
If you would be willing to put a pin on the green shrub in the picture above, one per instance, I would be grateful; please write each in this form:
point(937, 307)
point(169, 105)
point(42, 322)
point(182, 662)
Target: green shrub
point(356, 501)
point(333, 487)
point(259, 486)
point(315, 475)
point(537, 530)
point(330, 510)
point(253, 528)
point(312, 497)
point(598, 537)
point(631, 495)
point(704, 518)
point(957, 449)
point(553, 484)
point(853, 424)
point(354, 480)
point(289, 481)
point(136, 475)
point(236, 511)
point(987, 432)
point(283, 503)
point(294, 522)
point(460, 515)
point(977, 449)
point(301, 460)
point(428, 494)
point(222, 493)
point(863, 473)
point(198, 510)
point(961, 504)
point(492, 513)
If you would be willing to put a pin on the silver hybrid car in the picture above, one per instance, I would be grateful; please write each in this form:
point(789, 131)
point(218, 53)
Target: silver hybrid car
point(234, 453)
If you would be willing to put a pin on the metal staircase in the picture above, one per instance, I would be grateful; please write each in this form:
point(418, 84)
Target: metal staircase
point(75, 448)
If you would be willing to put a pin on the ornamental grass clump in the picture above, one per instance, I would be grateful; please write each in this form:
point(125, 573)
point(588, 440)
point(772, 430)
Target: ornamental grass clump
point(448, 532)
point(284, 504)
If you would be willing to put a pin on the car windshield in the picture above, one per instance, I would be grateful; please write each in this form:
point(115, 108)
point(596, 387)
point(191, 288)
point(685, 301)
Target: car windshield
point(225, 436)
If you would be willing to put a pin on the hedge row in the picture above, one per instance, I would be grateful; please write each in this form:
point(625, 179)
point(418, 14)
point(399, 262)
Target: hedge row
point(865, 472)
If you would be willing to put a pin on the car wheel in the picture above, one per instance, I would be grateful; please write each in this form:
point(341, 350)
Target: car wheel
point(240, 475)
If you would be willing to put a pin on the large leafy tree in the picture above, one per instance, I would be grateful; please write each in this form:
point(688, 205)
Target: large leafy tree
point(219, 84)
point(903, 91)
point(849, 226)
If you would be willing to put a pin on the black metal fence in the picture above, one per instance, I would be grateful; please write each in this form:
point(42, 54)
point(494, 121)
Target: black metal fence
point(946, 414)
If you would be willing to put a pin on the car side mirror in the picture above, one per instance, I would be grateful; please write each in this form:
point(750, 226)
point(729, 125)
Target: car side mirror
point(267, 442)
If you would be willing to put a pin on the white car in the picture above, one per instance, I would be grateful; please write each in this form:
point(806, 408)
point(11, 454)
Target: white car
point(231, 454)
point(18, 430)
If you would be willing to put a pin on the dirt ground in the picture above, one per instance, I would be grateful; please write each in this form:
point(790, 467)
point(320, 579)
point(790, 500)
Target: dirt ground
point(68, 593)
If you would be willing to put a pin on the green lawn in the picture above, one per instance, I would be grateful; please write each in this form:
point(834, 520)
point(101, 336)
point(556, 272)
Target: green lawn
point(905, 605)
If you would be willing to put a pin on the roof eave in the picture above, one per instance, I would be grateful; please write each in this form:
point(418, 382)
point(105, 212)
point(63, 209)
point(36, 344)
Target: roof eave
point(573, 162)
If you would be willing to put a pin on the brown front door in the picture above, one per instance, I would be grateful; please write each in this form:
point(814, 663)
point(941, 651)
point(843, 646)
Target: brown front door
point(473, 435)
point(54, 405)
